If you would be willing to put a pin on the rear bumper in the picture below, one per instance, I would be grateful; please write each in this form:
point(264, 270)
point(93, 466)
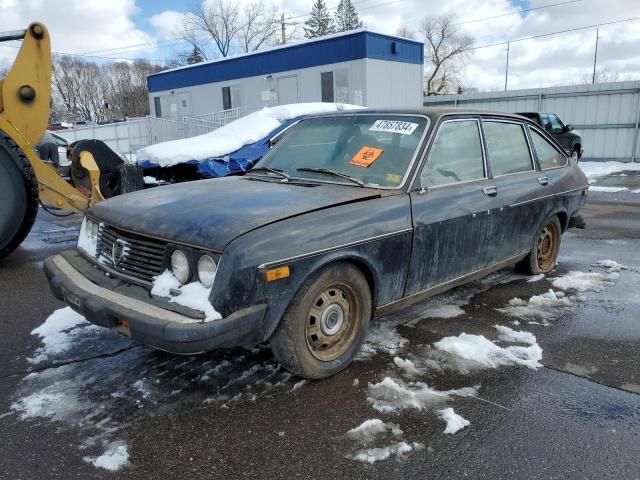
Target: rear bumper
point(147, 323)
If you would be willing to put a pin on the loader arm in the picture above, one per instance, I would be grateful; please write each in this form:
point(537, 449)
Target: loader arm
point(25, 98)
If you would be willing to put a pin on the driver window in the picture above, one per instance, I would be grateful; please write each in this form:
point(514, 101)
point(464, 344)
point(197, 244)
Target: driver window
point(556, 124)
point(456, 155)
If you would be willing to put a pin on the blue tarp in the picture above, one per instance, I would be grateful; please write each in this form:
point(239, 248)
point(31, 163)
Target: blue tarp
point(236, 162)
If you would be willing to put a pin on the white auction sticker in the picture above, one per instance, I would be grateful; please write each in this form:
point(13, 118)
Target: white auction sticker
point(394, 126)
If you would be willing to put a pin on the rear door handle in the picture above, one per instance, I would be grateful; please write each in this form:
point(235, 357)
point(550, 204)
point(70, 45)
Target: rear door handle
point(492, 191)
point(544, 181)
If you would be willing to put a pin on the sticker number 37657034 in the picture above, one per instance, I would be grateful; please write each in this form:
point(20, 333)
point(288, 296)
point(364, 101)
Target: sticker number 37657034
point(394, 126)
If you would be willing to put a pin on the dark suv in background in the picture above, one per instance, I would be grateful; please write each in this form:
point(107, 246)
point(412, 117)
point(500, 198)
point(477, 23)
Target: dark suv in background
point(568, 138)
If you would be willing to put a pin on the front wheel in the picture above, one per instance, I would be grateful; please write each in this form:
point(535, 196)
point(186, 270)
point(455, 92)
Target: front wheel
point(325, 324)
point(575, 155)
point(545, 249)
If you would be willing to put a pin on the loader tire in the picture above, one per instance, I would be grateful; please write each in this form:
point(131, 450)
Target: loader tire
point(131, 178)
point(18, 195)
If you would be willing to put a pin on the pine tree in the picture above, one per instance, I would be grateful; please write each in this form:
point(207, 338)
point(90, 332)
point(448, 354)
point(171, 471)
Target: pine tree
point(320, 22)
point(346, 17)
point(195, 56)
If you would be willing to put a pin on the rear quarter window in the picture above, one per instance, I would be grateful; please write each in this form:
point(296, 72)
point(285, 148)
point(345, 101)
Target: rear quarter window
point(548, 155)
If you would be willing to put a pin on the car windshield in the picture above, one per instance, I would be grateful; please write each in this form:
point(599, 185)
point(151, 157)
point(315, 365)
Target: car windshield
point(364, 149)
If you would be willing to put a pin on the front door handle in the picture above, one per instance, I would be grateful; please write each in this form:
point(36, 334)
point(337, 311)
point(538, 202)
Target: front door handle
point(544, 181)
point(492, 191)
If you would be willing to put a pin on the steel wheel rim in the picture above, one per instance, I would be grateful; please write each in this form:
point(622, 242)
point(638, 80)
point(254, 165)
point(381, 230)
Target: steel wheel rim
point(547, 248)
point(331, 322)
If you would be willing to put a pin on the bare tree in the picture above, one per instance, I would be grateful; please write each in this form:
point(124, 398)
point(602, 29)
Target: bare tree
point(602, 76)
point(220, 19)
point(445, 51)
point(404, 32)
point(4, 68)
point(259, 25)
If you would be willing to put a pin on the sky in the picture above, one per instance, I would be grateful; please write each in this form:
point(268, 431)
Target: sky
point(120, 29)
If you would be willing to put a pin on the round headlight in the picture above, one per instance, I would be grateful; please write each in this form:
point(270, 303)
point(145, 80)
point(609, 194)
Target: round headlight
point(207, 270)
point(180, 266)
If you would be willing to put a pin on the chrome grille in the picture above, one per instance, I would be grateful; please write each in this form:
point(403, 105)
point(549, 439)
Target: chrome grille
point(141, 257)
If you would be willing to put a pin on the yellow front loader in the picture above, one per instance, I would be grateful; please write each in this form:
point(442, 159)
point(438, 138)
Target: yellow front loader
point(25, 180)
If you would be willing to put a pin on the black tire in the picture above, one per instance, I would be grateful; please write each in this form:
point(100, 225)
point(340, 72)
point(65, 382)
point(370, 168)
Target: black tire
point(307, 347)
point(18, 196)
point(131, 178)
point(544, 248)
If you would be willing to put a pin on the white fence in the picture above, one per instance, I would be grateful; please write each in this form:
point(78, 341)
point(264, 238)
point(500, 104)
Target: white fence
point(130, 136)
point(607, 114)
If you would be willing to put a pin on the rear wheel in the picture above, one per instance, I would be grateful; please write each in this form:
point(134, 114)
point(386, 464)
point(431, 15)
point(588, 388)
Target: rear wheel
point(545, 249)
point(325, 324)
point(18, 196)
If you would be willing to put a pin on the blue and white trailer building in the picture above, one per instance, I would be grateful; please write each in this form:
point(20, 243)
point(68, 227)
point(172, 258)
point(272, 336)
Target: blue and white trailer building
point(358, 67)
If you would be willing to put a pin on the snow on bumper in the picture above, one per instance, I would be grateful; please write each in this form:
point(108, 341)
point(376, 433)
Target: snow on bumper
point(149, 324)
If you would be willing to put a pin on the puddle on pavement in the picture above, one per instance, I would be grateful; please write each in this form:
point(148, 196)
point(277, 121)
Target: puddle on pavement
point(628, 179)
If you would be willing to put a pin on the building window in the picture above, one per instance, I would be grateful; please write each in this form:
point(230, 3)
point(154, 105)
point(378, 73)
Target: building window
point(156, 102)
point(226, 98)
point(326, 83)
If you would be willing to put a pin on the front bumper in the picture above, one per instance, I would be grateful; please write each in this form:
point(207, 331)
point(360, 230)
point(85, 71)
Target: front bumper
point(148, 323)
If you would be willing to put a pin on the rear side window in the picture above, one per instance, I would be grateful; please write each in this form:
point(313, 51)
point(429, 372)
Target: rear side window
point(547, 154)
point(456, 155)
point(507, 147)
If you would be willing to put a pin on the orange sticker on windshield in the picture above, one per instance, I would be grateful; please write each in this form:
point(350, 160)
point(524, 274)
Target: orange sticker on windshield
point(366, 156)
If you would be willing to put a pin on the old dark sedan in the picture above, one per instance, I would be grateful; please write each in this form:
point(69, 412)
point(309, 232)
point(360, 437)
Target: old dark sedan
point(348, 215)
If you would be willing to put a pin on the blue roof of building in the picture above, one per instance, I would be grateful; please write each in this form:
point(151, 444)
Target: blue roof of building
point(343, 47)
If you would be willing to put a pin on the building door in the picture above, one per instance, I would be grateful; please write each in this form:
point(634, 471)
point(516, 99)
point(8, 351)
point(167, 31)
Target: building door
point(288, 90)
point(184, 104)
point(326, 85)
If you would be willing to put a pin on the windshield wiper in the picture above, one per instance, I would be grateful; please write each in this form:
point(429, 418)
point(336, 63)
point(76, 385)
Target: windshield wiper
point(332, 172)
point(275, 171)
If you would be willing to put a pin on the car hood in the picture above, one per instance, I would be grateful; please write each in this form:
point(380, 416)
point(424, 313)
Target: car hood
point(211, 213)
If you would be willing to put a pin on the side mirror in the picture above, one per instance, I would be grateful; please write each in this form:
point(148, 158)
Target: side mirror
point(568, 128)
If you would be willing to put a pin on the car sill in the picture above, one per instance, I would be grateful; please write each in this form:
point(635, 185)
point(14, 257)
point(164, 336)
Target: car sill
point(443, 287)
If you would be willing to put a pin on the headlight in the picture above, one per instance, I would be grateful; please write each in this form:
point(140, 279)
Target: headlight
point(88, 238)
point(180, 266)
point(207, 270)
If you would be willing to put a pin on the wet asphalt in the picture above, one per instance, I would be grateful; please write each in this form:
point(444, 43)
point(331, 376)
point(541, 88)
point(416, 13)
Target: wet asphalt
point(237, 414)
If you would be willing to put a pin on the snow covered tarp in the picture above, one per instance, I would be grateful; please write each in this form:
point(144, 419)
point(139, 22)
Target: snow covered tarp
point(235, 147)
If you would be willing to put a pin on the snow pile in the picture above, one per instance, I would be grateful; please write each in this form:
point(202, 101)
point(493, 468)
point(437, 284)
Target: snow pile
point(372, 455)
point(480, 352)
point(113, 459)
point(512, 336)
point(610, 266)
point(540, 307)
point(58, 333)
point(382, 337)
point(454, 421)
point(595, 170)
point(192, 295)
point(598, 188)
point(233, 136)
point(535, 278)
point(370, 430)
point(583, 281)
point(444, 311)
point(149, 180)
point(407, 366)
point(391, 395)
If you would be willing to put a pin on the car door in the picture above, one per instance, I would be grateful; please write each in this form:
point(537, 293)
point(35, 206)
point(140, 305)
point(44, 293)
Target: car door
point(552, 162)
point(520, 186)
point(453, 208)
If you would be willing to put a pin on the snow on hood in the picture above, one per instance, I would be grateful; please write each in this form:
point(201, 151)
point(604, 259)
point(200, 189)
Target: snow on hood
point(233, 136)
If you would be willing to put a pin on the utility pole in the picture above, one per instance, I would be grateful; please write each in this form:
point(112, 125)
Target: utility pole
point(506, 70)
point(595, 56)
point(284, 30)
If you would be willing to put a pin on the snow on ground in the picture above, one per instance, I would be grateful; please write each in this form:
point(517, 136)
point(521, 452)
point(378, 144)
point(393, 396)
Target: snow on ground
point(370, 430)
point(597, 188)
point(192, 295)
point(610, 266)
point(407, 366)
point(392, 395)
point(535, 278)
point(583, 281)
point(454, 421)
point(113, 459)
point(506, 334)
point(594, 170)
point(149, 180)
point(58, 333)
point(233, 136)
point(382, 337)
point(476, 351)
point(372, 455)
point(539, 307)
